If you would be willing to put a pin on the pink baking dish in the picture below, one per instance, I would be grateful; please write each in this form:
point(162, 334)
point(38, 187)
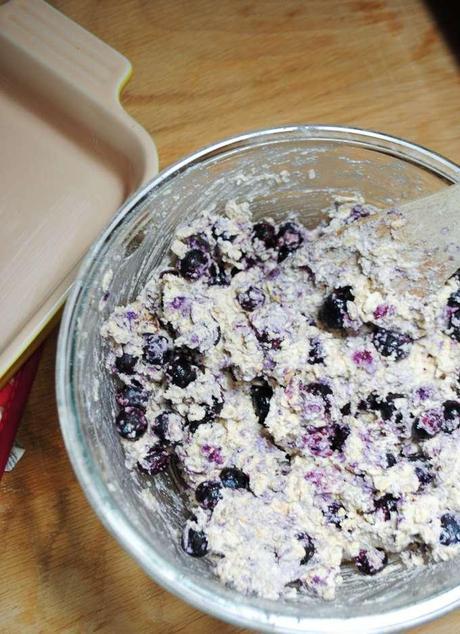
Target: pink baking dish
point(70, 157)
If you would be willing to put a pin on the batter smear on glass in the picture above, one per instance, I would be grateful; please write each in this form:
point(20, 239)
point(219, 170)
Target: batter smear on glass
point(313, 410)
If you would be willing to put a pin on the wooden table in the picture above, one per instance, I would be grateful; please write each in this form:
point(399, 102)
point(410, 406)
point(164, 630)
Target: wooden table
point(204, 69)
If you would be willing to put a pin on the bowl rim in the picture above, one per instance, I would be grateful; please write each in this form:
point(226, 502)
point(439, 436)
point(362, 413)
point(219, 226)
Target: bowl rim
point(97, 490)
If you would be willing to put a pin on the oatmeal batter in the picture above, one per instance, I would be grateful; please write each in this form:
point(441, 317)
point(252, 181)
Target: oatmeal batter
point(312, 408)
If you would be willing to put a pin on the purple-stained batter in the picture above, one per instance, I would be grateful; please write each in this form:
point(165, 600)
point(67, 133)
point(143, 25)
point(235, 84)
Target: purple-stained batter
point(312, 410)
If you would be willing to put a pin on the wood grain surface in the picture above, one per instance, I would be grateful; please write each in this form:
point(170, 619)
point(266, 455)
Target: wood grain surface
point(204, 69)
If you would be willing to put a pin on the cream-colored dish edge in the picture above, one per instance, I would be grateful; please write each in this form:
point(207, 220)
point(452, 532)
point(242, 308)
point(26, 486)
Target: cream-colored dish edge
point(70, 157)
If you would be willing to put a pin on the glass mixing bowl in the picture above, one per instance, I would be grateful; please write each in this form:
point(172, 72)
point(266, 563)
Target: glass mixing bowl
point(300, 168)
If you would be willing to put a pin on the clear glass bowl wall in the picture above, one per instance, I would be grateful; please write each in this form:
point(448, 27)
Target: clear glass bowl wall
point(298, 168)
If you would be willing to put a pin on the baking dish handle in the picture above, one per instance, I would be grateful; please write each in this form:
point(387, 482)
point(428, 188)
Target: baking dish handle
point(34, 34)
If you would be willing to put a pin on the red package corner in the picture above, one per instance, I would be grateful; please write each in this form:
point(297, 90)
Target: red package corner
point(13, 398)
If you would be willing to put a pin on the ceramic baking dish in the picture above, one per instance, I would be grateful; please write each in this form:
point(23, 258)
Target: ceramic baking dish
point(70, 157)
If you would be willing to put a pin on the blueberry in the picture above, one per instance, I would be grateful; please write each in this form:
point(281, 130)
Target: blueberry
point(194, 264)
point(315, 354)
point(266, 233)
point(453, 324)
point(125, 364)
point(333, 312)
point(154, 461)
point(268, 340)
point(333, 514)
point(132, 395)
point(450, 529)
point(377, 404)
point(384, 405)
point(427, 425)
point(346, 409)
point(213, 410)
point(309, 547)
point(423, 474)
point(251, 298)
point(218, 276)
point(195, 543)
point(261, 396)
point(319, 389)
point(451, 416)
point(390, 460)
point(391, 343)
point(454, 299)
point(339, 435)
point(180, 368)
point(208, 494)
point(161, 426)
point(371, 564)
point(233, 478)
point(249, 262)
point(289, 239)
point(387, 504)
point(131, 423)
point(156, 349)
point(423, 468)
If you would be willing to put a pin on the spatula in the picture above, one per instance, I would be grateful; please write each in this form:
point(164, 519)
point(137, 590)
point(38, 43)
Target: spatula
point(434, 222)
point(426, 235)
